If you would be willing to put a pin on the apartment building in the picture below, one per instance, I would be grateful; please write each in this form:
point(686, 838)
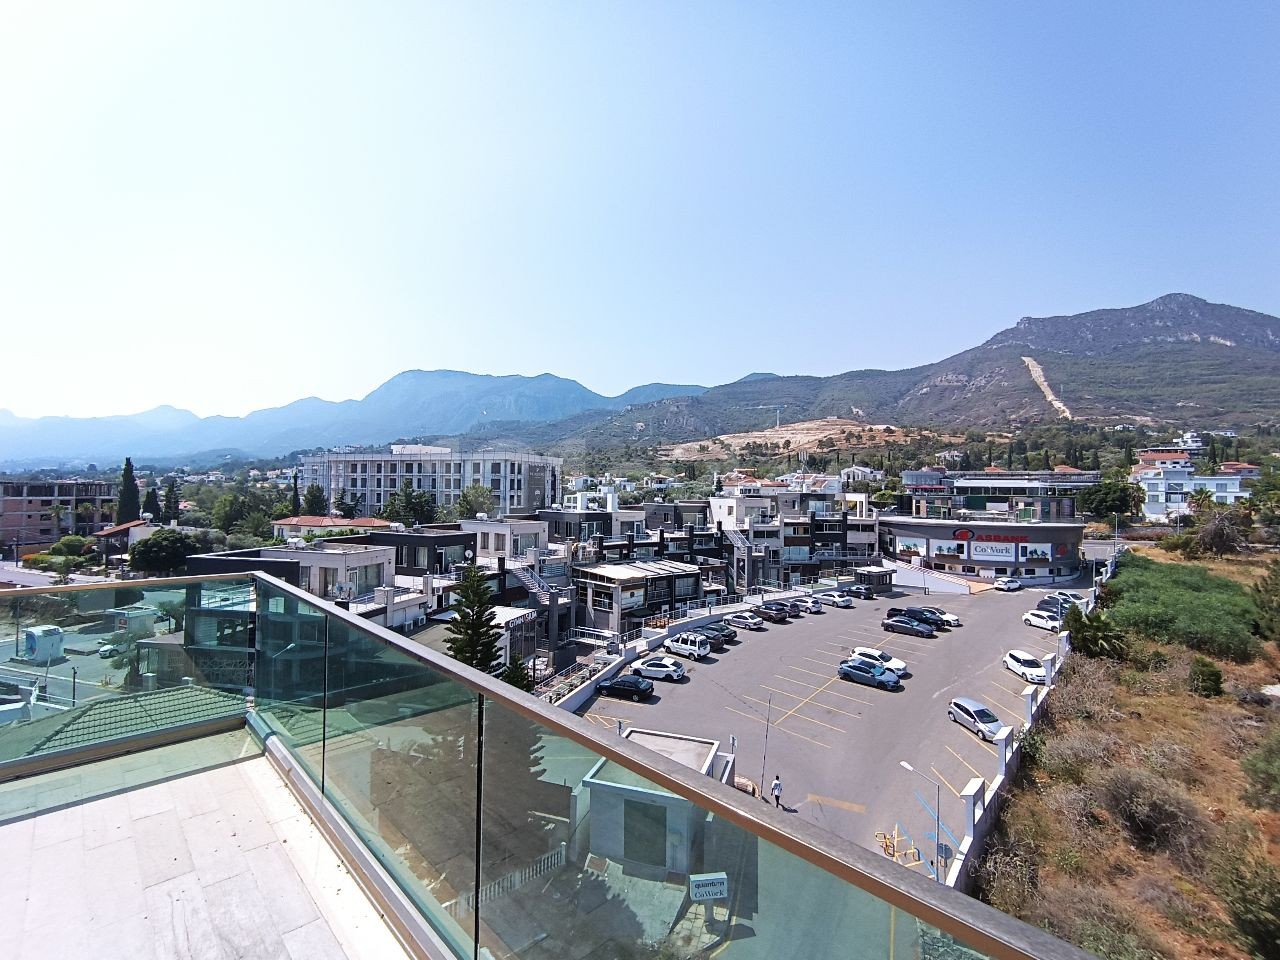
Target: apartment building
point(35, 513)
point(1169, 480)
point(519, 482)
point(993, 493)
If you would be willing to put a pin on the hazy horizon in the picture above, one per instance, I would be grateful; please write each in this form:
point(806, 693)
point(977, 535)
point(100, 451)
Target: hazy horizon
point(230, 208)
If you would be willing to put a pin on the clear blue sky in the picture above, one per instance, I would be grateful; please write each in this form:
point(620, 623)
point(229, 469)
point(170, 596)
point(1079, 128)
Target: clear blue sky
point(230, 205)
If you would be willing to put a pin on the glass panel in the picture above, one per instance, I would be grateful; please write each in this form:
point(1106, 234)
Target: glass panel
point(89, 666)
point(400, 765)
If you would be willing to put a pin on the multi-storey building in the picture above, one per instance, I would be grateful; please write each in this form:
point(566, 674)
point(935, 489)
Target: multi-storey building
point(519, 482)
point(35, 513)
point(1168, 481)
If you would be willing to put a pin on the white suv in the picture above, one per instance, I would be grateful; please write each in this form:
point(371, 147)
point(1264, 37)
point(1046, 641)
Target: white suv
point(691, 645)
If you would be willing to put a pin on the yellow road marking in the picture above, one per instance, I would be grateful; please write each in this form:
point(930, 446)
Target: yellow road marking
point(800, 716)
point(825, 663)
point(856, 716)
point(945, 781)
point(1016, 693)
point(986, 746)
point(752, 716)
point(1000, 702)
point(810, 697)
point(805, 683)
point(824, 676)
point(966, 763)
point(838, 804)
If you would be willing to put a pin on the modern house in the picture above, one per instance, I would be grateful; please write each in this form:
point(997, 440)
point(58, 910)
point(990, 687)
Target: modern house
point(1169, 480)
point(519, 482)
point(301, 526)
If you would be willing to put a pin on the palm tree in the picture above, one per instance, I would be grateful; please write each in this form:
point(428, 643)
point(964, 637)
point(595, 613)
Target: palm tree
point(1200, 501)
point(57, 511)
point(84, 509)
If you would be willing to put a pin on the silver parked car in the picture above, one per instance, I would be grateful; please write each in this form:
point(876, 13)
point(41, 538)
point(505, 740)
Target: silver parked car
point(975, 716)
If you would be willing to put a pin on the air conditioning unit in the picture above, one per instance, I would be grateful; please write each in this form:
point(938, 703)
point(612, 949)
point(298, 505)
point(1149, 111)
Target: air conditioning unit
point(397, 528)
point(295, 543)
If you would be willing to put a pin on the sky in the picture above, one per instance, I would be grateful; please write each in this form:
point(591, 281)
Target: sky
point(230, 206)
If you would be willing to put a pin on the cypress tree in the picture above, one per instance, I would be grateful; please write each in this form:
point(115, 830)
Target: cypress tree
point(473, 639)
point(151, 503)
point(128, 503)
point(314, 503)
point(170, 512)
point(295, 503)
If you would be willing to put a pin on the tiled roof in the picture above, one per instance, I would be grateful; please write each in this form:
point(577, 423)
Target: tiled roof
point(111, 718)
point(336, 522)
point(112, 531)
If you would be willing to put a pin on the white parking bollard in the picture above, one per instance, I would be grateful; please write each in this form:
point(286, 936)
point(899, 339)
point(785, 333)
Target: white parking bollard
point(1001, 743)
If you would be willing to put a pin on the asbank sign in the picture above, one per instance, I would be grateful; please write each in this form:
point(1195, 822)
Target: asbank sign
point(998, 546)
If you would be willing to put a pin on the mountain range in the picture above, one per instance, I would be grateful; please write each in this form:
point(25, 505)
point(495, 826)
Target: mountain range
point(1177, 361)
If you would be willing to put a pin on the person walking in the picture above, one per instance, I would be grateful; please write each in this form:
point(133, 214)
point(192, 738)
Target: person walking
point(776, 790)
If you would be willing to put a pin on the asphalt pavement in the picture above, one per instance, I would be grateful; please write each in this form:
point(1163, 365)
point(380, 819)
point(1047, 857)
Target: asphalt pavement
point(838, 745)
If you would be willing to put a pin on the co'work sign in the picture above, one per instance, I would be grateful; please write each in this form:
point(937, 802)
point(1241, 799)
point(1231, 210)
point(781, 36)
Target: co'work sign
point(708, 886)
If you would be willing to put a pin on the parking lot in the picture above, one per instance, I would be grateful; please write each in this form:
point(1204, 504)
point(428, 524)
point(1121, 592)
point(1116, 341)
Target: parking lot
point(838, 745)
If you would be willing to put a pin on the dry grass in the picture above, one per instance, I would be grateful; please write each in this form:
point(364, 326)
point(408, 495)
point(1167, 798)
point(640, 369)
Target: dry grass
point(1245, 569)
point(1113, 836)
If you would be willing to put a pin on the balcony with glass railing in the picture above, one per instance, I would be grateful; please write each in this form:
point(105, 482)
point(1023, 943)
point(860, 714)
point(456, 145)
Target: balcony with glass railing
point(474, 820)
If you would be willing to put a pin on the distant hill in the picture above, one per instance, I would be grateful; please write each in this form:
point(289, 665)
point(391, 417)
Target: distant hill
point(415, 402)
point(1177, 360)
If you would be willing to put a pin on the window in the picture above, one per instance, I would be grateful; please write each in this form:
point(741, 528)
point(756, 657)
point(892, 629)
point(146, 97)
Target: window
point(484, 540)
point(499, 542)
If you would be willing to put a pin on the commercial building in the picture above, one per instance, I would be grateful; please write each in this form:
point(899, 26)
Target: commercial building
point(519, 482)
point(985, 548)
point(34, 514)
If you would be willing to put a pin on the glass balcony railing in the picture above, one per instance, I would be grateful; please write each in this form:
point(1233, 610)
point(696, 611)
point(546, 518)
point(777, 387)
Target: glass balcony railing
point(513, 829)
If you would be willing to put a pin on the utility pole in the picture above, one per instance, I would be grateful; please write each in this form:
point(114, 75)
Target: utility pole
point(937, 820)
point(764, 759)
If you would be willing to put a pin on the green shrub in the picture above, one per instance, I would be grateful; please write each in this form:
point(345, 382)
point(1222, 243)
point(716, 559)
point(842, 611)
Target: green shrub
point(1183, 604)
point(1250, 890)
point(1262, 767)
point(1205, 678)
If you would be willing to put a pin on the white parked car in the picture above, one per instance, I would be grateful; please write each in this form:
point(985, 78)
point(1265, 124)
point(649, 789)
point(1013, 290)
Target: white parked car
point(809, 604)
point(1025, 665)
point(1008, 584)
point(1068, 596)
point(1042, 619)
point(743, 621)
point(948, 619)
point(692, 645)
point(834, 599)
point(659, 668)
point(879, 656)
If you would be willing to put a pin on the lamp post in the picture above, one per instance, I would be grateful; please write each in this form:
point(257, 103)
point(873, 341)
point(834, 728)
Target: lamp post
point(937, 818)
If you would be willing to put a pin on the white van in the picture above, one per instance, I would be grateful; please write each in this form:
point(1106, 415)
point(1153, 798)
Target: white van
point(691, 645)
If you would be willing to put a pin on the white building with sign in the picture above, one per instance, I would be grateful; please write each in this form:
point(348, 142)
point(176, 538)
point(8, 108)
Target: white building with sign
point(985, 549)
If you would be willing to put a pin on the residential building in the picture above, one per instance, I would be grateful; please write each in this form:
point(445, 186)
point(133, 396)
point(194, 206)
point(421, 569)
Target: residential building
point(29, 511)
point(585, 515)
point(511, 537)
point(1245, 471)
point(617, 596)
point(855, 473)
point(301, 526)
point(1169, 480)
point(519, 482)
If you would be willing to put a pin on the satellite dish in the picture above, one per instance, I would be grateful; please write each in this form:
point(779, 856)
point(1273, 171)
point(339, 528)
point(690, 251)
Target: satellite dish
point(468, 554)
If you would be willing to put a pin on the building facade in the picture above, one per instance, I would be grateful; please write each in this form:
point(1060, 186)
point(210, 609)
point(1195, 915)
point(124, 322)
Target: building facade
point(34, 514)
point(518, 482)
point(1169, 481)
point(985, 549)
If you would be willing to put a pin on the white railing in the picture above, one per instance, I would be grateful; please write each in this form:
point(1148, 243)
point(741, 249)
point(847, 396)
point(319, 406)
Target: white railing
point(512, 881)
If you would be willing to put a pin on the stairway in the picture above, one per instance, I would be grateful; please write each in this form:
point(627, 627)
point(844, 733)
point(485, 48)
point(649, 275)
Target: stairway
point(536, 586)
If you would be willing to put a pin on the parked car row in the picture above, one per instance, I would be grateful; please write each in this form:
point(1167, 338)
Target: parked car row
point(692, 644)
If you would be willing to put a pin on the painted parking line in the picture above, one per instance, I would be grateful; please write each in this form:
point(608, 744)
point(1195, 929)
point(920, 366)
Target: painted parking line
point(838, 804)
point(1001, 701)
point(824, 676)
point(810, 697)
point(834, 693)
point(856, 716)
point(752, 716)
point(824, 663)
point(966, 763)
point(1016, 693)
point(917, 647)
point(945, 782)
point(798, 716)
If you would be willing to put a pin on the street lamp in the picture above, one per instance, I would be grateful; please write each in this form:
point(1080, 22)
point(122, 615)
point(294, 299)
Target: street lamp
point(937, 818)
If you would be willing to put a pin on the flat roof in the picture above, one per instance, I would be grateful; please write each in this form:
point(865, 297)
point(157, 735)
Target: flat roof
point(639, 569)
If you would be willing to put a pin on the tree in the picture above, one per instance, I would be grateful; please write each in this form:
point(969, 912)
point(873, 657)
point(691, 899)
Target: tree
point(314, 503)
point(517, 674)
point(1266, 596)
point(228, 510)
point(472, 637)
point(342, 506)
point(85, 511)
point(1111, 497)
point(1093, 460)
point(1044, 460)
point(475, 499)
point(170, 512)
point(57, 511)
point(128, 502)
point(1200, 501)
point(295, 501)
point(1223, 531)
point(151, 503)
point(1093, 635)
point(163, 552)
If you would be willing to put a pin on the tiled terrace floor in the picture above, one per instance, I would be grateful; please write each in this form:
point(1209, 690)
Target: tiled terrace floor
point(197, 850)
